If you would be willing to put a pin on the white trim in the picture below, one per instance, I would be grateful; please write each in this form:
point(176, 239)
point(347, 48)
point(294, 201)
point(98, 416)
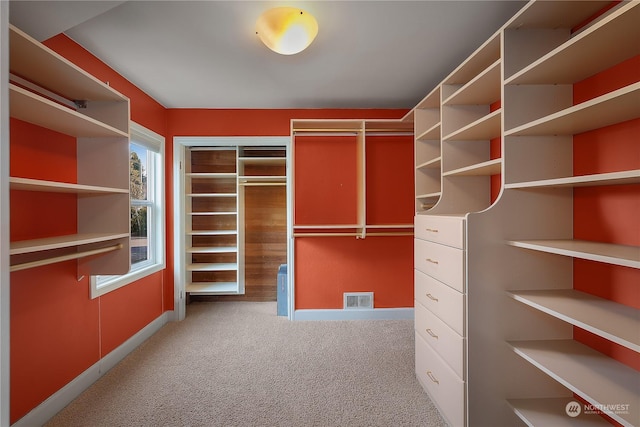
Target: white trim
point(155, 143)
point(4, 214)
point(402, 313)
point(180, 143)
point(57, 401)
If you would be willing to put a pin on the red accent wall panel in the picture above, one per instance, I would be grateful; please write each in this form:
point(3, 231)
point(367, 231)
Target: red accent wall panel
point(334, 265)
point(325, 180)
point(54, 333)
point(389, 183)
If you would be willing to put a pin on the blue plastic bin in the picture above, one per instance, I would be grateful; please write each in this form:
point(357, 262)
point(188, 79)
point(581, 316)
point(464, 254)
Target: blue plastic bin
point(282, 291)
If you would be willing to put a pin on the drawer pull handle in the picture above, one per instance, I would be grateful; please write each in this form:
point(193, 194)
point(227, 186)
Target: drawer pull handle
point(432, 378)
point(432, 230)
point(430, 332)
point(432, 298)
point(432, 261)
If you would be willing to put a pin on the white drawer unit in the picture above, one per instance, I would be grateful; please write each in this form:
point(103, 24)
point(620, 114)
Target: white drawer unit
point(439, 280)
point(444, 340)
point(440, 262)
point(442, 300)
point(447, 230)
point(441, 383)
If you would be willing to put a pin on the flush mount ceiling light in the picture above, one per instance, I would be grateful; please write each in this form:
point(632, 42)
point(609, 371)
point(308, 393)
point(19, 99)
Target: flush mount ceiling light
point(286, 30)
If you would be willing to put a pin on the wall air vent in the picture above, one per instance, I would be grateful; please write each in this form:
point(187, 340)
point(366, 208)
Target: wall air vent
point(358, 300)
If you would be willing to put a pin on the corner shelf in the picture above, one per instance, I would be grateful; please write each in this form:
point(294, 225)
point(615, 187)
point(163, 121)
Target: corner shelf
point(482, 89)
point(431, 164)
point(490, 167)
point(615, 322)
point(432, 133)
point(597, 378)
point(486, 127)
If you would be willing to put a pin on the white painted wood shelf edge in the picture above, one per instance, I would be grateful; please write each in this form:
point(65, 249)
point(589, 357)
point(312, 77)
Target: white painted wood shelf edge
point(599, 379)
point(615, 322)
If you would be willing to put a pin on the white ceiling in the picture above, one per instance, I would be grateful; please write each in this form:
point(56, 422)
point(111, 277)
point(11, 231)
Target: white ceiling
point(205, 54)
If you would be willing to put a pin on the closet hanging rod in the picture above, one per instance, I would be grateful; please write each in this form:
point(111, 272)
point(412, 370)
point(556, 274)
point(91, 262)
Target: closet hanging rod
point(360, 235)
point(52, 260)
point(263, 184)
point(351, 130)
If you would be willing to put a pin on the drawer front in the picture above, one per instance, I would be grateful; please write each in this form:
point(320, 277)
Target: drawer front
point(442, 384)
point(440, 229)
point(444, 340)
point(441, 300)
point(440, 262)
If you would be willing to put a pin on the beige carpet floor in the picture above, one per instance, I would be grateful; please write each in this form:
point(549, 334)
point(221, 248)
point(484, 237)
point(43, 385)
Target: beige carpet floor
point(238, 364)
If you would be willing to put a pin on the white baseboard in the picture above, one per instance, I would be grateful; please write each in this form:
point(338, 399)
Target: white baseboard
point(57, 401)
point(402, 313)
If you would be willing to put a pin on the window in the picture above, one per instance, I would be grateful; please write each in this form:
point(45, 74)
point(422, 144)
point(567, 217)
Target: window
point(146, 172)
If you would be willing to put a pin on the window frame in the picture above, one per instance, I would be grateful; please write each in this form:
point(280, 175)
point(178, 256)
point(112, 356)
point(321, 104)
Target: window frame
point(101, 285)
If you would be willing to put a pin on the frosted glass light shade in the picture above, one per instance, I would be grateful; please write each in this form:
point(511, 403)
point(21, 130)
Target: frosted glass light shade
point(286, 30)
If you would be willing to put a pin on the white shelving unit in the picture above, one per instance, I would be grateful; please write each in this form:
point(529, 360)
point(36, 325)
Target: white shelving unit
point(213, 249)
point(525, 255)
point(98, 117)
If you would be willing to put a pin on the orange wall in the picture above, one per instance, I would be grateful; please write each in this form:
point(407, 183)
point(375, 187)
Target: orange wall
point(608, 213)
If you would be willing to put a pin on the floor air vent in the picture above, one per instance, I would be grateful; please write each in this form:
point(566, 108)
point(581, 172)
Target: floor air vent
point(358, 300)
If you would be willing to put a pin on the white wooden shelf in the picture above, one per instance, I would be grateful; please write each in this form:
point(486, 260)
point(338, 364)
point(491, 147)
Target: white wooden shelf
point(478, 61)
point(263, 161)
point(326, 226)
point(432, 100)
point(428, 196)
point(588, 52)
point(28, 59)
point(60, 242)
point(487, 127)
point(612, 178)
point(225, 266)
point(213, 175)
point(212, 288)
point(212, 249)
point(28, 184)
point(213, 213)
point(482, 89)
point(553, 412)
point(212, 232)
point(614, 107)
point(33, 108)
point(431, 164)
point(491, 167)
point(263, 178)
point(612, 321)
point(599, 379)
point(430, 134)
point(627, 256)
point(212, 195)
